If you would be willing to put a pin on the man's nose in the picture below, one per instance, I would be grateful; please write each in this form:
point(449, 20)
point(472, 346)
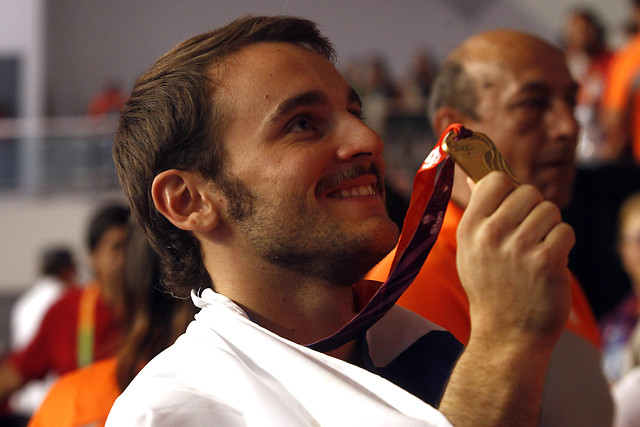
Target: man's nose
point(563, 121)
point(357, 140)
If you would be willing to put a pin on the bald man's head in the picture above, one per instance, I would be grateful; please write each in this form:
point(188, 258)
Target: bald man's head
point(480, 62)
point(516, 88)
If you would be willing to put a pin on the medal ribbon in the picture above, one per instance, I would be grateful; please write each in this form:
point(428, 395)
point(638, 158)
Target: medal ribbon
point(429, 199)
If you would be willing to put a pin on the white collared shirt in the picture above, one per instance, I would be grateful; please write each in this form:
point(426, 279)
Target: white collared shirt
point(227, 370)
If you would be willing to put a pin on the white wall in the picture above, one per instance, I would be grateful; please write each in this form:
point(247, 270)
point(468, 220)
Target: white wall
point(28, 225)
point(91, 40)
point(70, 47)
point(22, 34)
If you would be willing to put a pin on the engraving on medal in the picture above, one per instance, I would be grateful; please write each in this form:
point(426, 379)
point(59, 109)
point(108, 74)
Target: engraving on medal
point(476, 154)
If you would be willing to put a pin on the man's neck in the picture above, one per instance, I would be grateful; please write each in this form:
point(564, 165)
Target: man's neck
point(298, 308)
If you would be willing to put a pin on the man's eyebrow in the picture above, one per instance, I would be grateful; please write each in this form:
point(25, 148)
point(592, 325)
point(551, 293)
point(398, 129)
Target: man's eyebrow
point(313, 97)
point(538, 87)
point(534, 87)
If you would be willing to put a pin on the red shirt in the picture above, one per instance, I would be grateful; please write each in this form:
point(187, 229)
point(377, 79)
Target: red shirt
point(55, 346)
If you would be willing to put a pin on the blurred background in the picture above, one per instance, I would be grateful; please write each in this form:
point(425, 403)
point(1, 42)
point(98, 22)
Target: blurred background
point(67, 65)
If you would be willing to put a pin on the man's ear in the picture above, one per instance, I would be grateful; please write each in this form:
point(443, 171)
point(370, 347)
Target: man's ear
point(445, 116)
point(183, 197)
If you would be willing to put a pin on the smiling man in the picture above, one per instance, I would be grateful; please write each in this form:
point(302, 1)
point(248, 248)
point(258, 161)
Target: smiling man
point(516, 89)
point(244, 157)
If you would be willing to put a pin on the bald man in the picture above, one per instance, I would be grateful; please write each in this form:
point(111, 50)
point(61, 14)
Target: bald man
point(516, 89)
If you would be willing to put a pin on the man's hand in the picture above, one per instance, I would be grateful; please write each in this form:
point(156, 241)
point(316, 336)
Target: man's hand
point(512, 260)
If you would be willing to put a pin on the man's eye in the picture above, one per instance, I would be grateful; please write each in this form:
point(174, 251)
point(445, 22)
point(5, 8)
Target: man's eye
point(302, 124)
point(359, 113)
point(538, 103)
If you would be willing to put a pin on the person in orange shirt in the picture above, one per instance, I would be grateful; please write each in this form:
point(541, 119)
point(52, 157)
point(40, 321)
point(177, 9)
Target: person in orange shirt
point(153, 319)
point(588, 59)
point(516, 89)
point(84, 324)
point(621, 100)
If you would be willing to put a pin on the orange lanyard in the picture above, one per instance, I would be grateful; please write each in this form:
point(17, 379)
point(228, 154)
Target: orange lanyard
point(86, 325)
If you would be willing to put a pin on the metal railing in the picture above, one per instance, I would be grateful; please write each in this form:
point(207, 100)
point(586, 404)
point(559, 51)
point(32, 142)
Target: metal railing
point(73, 154)
point(57, 155)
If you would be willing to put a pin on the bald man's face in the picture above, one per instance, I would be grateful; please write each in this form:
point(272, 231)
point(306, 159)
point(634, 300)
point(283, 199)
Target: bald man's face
point(526, 103)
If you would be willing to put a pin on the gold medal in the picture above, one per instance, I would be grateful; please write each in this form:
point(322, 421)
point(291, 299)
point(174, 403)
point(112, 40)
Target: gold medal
point(476, 154)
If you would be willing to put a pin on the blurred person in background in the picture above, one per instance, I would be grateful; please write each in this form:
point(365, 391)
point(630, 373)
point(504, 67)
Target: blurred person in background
point(109, 100)
point(621, 103)
point(153, 319)
point(626, 396)
point(416, 86)
point(380, 92)
point(620, 333)
point(516, 89)
point(58, 273)
point(626, 345)
point(588, 59)
point(84, 325)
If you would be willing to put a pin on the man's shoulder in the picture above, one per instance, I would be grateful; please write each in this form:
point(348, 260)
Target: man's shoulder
point(625, 60)
point(206, 383)
point(69, 298)
point(44, 287)
point(65, 307)
point(42, 295)
point(191, 364)
point(628, 51)
point(156, 399)
point(227, 370)
point(196, 381)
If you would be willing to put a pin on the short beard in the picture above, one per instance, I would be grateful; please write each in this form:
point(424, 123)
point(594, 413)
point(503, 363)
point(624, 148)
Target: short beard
point(317, 248)
point(240, 200)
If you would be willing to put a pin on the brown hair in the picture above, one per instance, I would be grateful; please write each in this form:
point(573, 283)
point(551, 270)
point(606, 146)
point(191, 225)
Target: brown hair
point(153, 319)
point(173, 121)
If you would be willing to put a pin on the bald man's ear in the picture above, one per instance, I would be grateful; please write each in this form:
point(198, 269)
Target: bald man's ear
point(183, 197)
point(445, 116)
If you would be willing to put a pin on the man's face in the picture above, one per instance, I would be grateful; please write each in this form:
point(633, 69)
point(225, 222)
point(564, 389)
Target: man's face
point(630, 246)
point(308, 170)
point(579, 33)
point(107, 258)
point(526, 106)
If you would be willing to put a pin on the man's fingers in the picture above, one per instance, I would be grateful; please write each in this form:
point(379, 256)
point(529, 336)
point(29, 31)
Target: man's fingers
point(489, 193)
point(539, 222)
point(560, 239)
